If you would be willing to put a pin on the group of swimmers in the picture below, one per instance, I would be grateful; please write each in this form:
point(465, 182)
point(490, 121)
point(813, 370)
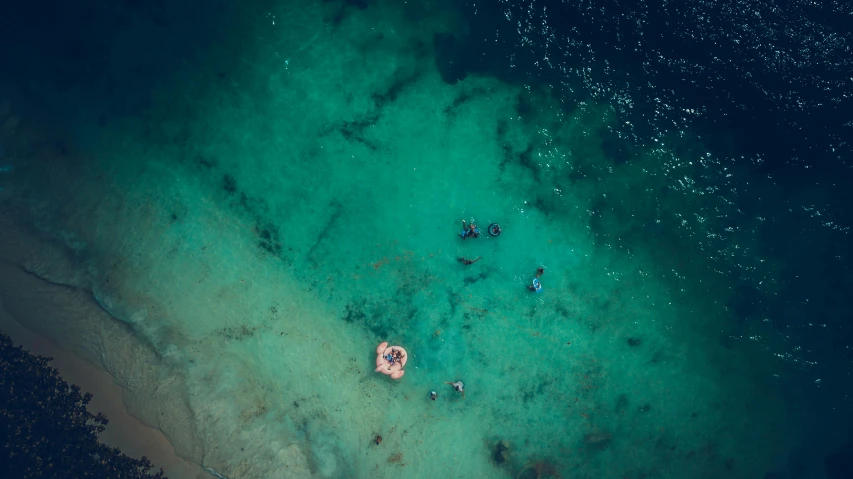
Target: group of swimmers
point(470, 230)
point(459, 386)
point(395, 356)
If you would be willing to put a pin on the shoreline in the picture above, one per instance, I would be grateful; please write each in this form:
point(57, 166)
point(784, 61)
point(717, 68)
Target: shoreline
point(124, 431)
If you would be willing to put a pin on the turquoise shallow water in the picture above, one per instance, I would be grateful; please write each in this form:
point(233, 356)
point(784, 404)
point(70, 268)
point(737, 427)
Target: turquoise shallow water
point(259, 218)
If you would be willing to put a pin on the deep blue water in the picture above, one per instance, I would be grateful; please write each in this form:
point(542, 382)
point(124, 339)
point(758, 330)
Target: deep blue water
point(765, 87)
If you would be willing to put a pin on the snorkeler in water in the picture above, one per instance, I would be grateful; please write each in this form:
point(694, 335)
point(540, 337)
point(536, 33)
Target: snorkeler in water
point(469, 231)
point(467, 261)
point(459, 386)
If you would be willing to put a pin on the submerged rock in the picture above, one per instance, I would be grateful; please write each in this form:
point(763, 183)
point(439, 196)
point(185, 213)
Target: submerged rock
point(598, 439)
point(501, 452)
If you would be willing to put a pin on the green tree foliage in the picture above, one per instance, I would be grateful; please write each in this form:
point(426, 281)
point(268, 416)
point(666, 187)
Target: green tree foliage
point(46, 430)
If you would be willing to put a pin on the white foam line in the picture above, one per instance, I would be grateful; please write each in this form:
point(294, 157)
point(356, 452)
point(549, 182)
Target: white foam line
point(310, 41)
point(214, 473)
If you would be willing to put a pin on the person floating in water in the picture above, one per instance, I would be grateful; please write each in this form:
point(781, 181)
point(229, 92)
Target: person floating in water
point(536, 287)
point(467, 261)
point(459, 386)
point(433, 395)
point(469, 231)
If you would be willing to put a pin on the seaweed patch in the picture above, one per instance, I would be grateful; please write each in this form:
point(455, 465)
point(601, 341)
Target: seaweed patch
point(400, 83)
point(354, 130)
point(237, 333)
point(268, 239)
point(366, 315)
point(229, 184)
point(473, 279)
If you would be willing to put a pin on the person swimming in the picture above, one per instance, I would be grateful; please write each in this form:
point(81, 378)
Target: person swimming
point(459, 386)
point(536, 287)
point(470, 230)
point(433, 395)
point(467, 261)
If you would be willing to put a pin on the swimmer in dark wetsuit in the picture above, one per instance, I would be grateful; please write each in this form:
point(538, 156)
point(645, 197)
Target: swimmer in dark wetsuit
point(466, 261)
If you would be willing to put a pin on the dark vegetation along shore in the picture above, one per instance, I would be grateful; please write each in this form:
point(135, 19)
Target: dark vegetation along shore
point(46, 429)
